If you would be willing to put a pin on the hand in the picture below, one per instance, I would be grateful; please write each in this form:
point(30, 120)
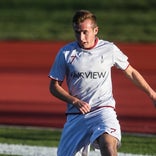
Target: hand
point(82, 106)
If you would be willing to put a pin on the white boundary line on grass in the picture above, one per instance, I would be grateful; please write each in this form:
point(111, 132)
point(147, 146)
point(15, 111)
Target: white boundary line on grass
point(25, 150)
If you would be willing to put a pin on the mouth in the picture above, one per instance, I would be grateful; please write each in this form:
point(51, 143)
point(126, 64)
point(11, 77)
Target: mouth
point(83, 43)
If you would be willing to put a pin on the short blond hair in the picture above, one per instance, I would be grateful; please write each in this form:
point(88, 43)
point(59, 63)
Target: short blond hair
point(81, 15)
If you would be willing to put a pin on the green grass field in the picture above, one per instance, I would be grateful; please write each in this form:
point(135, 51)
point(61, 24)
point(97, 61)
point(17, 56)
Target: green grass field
point(122, 21)
point(131, 143)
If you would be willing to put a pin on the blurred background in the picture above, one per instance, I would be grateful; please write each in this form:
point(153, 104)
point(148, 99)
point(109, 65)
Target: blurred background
point(119, 20)
point(32, 32)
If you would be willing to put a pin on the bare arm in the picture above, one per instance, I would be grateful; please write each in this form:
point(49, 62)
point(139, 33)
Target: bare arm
point(139, 81)
point(58, 91)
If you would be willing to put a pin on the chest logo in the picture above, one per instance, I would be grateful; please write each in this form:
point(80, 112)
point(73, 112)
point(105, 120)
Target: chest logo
point(72, 58)
point(102, 59)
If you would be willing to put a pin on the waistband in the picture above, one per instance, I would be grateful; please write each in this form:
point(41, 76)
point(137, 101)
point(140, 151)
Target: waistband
point(96, 108)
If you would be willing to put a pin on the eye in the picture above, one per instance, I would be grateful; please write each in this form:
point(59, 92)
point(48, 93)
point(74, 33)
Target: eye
point(85, 32)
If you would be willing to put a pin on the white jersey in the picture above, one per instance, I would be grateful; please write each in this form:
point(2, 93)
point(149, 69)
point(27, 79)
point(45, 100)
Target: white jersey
point(88, 72)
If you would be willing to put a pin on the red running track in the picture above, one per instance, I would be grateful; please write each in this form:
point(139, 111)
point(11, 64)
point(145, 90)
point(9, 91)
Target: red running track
point(25, 98)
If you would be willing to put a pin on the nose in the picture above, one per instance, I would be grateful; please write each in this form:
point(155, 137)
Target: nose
point(82, 36)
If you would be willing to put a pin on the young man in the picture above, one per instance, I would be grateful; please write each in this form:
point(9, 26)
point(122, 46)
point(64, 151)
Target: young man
point(86, 64)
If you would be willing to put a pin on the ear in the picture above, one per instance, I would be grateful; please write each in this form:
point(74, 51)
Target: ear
point(96, 29)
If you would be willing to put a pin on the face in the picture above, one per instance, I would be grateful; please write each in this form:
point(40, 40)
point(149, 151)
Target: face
point(86, 33)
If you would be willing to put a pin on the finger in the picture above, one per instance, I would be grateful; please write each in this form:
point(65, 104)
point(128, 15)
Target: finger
point(85, 109)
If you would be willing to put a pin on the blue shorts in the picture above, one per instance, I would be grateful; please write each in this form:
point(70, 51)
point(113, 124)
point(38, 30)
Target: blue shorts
point(82, 130)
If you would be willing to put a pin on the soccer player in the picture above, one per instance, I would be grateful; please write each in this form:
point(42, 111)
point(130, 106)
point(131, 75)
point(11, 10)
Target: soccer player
point(86, 65)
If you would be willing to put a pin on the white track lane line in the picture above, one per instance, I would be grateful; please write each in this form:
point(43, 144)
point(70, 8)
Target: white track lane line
point(25, 150)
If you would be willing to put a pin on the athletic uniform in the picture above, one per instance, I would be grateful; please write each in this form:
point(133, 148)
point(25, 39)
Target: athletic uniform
point(88, 76)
